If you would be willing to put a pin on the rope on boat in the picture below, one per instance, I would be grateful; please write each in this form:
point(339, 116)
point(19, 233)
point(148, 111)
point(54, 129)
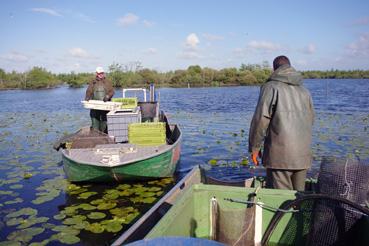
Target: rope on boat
point(262, 205)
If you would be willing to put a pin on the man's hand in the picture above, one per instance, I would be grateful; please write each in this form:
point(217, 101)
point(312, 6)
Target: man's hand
point(254, 156)
point(105, 99)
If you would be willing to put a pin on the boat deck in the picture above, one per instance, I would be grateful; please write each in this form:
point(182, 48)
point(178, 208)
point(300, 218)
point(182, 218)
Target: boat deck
point(110, 155)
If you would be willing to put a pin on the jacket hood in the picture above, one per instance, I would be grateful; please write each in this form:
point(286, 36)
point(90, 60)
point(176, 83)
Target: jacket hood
point(286, 74)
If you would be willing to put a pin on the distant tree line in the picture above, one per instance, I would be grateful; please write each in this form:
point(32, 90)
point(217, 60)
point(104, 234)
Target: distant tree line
point(134, 75)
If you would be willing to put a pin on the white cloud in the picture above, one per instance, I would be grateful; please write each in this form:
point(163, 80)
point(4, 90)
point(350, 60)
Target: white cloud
point(128, 20)
point(78, 53)
point(15, 56)
point(192, 41)
point(148, 23)
point(359, 47)
point(263, 46)
point(212, 37)
point(309, 49)
point(46, 11)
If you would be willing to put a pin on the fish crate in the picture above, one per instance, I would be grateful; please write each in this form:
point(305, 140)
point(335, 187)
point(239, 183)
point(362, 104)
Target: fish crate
point(118, 122)
point(101, 105)
point(147, 134)
point(128, 103)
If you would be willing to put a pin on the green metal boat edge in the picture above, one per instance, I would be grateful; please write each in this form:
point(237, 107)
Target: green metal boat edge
point(159, 166)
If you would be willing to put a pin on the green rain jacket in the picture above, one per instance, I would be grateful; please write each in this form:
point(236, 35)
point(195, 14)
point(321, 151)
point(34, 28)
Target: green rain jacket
point(283, 120)
point(99, 88)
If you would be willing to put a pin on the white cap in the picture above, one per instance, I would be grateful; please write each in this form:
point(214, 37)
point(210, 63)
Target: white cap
point(99, 70)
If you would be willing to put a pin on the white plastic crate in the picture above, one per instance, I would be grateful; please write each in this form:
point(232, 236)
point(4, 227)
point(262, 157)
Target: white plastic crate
point(101, 105)
point(118, 122)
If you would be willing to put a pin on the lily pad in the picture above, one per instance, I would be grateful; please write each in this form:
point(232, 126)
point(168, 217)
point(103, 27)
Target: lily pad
point(96, 215)
point(16, 186)
point(31, 221)
point(86, 206)
point(213, 162)
point(66, 238)
point(106, 205)
point(86, 195)
point(16, 200)
point(59, 216)
point(21, 212)
point(74, 220)
point(25, 235)
point(95, 228)
point(97, 201)
point(113, 226)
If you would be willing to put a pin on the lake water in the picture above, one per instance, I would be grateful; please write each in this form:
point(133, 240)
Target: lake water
point(215, 124)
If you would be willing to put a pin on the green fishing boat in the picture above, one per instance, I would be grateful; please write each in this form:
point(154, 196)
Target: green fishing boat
point(249, 215)
point(132, 149)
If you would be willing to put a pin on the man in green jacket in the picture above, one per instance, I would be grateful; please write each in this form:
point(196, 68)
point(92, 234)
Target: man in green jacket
point(283, 122)
point(102, 89)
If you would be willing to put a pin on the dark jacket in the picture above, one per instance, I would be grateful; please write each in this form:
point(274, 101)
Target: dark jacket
point(99, 88)
point(283, 119)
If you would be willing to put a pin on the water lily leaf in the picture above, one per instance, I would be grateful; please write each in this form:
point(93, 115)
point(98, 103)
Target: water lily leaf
point(66, 229)
point(74, 220)
point(213, 162)
point(27, 175)
point(95, 228)
point(81, 226)
point(122, 212)
point(66, 238)
point(113, 226)
point(32, 221)
point(159, 193)
point(86, 206)
point(25, 235)
point(59, 216)
point(75, 192)
point(96, 215)
point(16, 200)
point(16, 186)
point(130, 218)
point(126, 193)
point(10, 243)
point(86, 195)
point(97, 201)
point(154, 189)
point(43, 243)
point(244, 162)
point(5, 192)
point(23, 211)
point(106, 205)
point(111, 196)
point(14, 221)
point(123, 186)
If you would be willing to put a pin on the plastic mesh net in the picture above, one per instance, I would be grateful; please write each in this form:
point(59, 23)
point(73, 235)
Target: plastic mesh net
point(321, 220)
point(344, 178)
point(236, 226)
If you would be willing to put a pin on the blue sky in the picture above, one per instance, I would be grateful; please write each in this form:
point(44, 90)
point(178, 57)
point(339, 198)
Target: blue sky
point(65, 36)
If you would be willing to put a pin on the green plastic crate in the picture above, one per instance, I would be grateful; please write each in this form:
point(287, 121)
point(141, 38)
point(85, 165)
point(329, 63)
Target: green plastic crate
point(127, 102)
point(148, 134)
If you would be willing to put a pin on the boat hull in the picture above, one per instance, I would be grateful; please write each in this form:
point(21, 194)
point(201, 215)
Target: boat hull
point(162, 165)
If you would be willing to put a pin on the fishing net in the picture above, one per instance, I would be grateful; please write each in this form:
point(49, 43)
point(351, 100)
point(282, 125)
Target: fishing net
point(236, 226)
point(339, 215)
point(344, 178)
point(319, 220)
point(84, 138)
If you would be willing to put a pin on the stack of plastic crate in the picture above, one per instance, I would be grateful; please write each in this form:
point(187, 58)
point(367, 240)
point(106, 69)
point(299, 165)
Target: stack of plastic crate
point(147, 134)
point(118, 122)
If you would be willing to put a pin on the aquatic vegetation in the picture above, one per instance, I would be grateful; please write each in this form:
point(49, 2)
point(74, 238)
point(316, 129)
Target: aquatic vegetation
point(95, 228)
point(25, 235)
point(96, 215)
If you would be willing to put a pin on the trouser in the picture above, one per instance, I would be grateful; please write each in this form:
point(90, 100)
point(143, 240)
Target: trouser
point(286, 179)
point(98, 120)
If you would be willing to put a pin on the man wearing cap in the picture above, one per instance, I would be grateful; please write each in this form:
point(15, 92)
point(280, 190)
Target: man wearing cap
point(283, 122)
point(102, 89)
